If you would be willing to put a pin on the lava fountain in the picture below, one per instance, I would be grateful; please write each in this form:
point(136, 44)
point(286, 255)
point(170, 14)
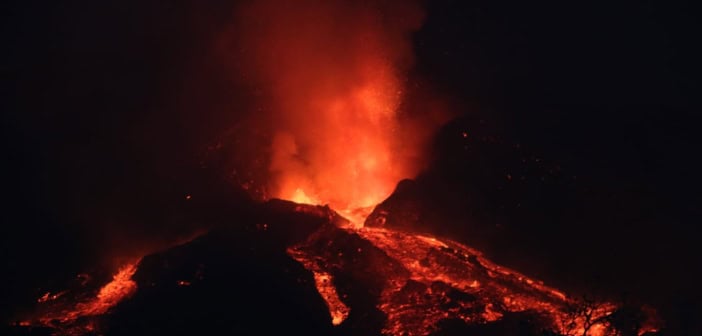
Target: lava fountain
point(335, 73)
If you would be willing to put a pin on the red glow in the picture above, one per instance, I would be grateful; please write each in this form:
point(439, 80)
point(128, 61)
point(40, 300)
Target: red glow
point(335, 73)
point(416, 295)
point(324, 283)
point(113, 292)
point(50, 297)
point(67, 317)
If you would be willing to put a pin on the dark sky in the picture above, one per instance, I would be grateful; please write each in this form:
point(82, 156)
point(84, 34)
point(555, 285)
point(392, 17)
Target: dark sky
point(109, 107)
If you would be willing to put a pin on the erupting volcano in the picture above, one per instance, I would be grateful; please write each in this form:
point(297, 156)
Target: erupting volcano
point(331, 79)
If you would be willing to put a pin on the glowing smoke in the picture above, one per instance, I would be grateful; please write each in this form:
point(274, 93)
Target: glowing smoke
point(334, 73)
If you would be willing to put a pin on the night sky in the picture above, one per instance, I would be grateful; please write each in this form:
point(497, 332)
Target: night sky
point(110, 108)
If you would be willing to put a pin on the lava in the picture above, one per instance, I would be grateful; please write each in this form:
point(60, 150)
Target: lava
point(436, 280)
point(323, 281)
point(69, 318)
point(417, 282)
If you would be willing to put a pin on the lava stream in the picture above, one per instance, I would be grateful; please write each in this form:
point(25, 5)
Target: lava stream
point(425, 281)
point(68, 318)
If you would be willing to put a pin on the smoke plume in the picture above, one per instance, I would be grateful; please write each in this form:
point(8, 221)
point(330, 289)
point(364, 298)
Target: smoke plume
point(332, 76)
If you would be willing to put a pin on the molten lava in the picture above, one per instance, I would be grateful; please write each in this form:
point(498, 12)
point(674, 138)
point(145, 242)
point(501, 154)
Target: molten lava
point(333, 75)
point(69, 317)
point(323, 281)
point(422, 281)
point(384, 280)
point(112, 293)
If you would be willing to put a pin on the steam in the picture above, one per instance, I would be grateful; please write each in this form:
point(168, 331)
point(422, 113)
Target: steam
point(333, 75)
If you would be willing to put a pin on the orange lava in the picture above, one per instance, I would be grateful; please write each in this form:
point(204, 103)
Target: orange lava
point(441, 280)
point(50, 297)
point(323, 281)
point(68, 318)
point(465, 269)
point(120, 287)
point(355, 152)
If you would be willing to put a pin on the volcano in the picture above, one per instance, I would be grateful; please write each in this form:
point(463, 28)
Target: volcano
point(304, 269)
point(350, 168)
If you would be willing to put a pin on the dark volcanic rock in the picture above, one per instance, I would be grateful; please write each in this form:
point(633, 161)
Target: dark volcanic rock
point(286, 268)
point(230, 281)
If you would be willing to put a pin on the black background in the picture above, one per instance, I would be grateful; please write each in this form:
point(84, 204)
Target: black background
point(108, 108)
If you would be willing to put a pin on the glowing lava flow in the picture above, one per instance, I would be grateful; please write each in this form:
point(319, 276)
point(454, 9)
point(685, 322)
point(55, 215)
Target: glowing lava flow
point(69, 320)
point(431, 261)
point(422, 281)
point(323, 281)
point(109, 295)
